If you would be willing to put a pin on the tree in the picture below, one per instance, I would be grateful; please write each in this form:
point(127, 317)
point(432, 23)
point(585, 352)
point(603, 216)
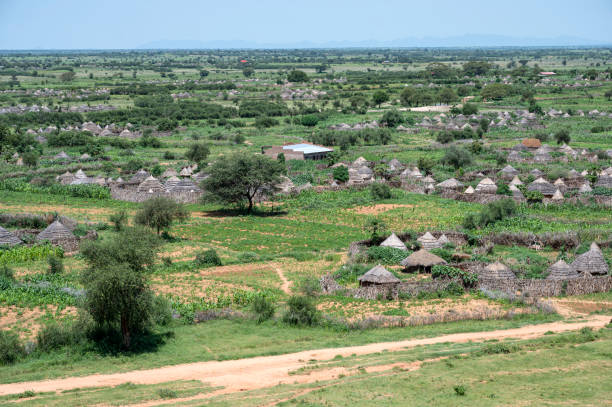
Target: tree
point(376, 228)
point(159, 213)
point(67, 76)
point(297, 76)
point(447, 96)
point(248, 72)
point(407, 96)
point(392, 118)
point(563, 136)
point(203, 73)
point(474, 68)
point(30, 159)
point(469, 109)
point(341, 173)
point(496, 91)
point(197, 153)
point(608, 94)
point(240, 177)
point(118, 296)
point(456, 157)
point(379, 97)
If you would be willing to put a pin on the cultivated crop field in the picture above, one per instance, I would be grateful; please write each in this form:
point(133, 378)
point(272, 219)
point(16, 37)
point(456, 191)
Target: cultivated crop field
point(108, 267)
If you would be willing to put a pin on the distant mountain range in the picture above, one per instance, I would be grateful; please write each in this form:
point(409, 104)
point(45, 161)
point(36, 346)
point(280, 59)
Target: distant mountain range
point(468, 40)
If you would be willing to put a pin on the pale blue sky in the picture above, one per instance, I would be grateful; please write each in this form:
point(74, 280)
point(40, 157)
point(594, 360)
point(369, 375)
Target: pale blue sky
point(92, 24)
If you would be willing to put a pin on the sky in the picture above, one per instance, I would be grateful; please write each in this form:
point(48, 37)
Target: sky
point(121, 24)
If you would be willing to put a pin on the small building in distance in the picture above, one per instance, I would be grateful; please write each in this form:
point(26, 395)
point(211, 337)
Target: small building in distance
point(300, 151)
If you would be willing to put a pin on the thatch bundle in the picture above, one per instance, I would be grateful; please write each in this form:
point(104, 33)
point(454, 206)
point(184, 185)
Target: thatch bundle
point(591, 262)
point(378, 276)
point(394, 241)
point(7, 238)
point(498, 270)
point(561, 271)
point(421, 260)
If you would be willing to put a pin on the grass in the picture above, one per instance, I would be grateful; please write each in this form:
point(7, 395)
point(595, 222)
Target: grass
point(233, 339)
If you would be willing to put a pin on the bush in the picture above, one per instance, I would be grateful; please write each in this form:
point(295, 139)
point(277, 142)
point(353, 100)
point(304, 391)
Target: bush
point(309, 120)
point(248, 257)
point(11, 348)
point(441, 271)
point(563, 136)
point(208, 258)
point(349, 273)
point(118, 220)
point(445, 137)
point(7, 277)
point(58, 335)
point(385, 255)
point(459, 390)
point(310, 286)
point(379, 190)
point(161, 311)
point(56, 265)
point(166, 393)
point(265, 122)
point(341, 174)
point(263, 307)
point(492, 213)
point(301, 311)
point(456, 157)
point(392, 118)
point(469, 109)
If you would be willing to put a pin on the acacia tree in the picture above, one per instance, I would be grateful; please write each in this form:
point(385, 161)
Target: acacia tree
point(380, 97)
point(159, 213)
point(239, 177)
point(118, 296)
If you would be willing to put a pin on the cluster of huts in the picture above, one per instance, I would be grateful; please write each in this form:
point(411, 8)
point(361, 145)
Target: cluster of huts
point(57, 233)
point(589, 264)
point(357, 126)
point(180, 186)
point(531, 150)
point(21, 109)
point(110, 130)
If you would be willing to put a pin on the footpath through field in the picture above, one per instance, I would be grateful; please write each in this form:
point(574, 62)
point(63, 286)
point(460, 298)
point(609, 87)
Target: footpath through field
point(268, 371)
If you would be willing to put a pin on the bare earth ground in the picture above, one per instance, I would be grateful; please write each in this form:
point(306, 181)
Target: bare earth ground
point(267, 371)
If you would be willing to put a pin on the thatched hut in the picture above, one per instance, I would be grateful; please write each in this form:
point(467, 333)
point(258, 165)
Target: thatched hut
point(151, 185)
point(394, 241)
point(421, 260)
point(450, 184)
point(509, 172)
point(604, 182)
point(61, 156)
point(536, 173)
point(532, 143)
point(140, 176)
point(377, 276)
point(185, 185)
point(542, 186)
point(561, 271)
point(442, 240)
point(585, 188)
point(395, 165)
point(486, 186)
point(591, 262)
point(469, 190)
point(186, 172)
point(516, 181)
point(515, 157)
point(170, 172)
point(498, 270)
point(428, 242)
point(8, 238)
point(172, 181)
point(58, 234)
point(557, 196)
point(516, 193)
point(66, 178)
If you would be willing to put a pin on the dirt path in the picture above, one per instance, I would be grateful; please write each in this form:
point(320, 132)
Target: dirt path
point(286, 284)
point(267, 371)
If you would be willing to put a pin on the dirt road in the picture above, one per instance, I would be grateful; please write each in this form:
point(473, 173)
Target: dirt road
point(267, 371)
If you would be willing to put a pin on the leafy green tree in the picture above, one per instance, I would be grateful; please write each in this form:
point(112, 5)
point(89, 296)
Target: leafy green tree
point(608, 94)
point(297, 76)
point(392, 118)
point(376, 228)
point(563, 136)
point(447, 96)
point(474, 68)
point(159, 213)
point(248, 72)
point(67, 76)
point(30, 159)
point(197, 153)
point(240, 177)
point(469, 109)
point(379, 97)
point(118, 296)
point(456, 157)
point(203, 73)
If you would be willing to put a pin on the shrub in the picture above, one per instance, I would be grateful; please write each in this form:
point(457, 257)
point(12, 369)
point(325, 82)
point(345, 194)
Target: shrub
point(56, 265)
point(118, 220)
point(492, 213)
point(392, 118)
point(376, 228)
point(469, 109)
point(166, 393)
point(265, 122)
point(310, 286)
point(456, 157)
point(208, 258)
point(263, 307)
point(444, 137)
point(161, 311)
point(11, 348)
point(349, 273)
point(459, 390)
point(447, 255)
point(301, 311)
point(441, 271)
point(248, 257)
point(385, 255)
point(309, 120)
point(378, 190)
point(58, 335)
point(341, 174)
point(562, 136)
point(7, 277)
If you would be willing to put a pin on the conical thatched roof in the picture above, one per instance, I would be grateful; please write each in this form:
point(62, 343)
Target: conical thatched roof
point(604, 181)
point(378, 275)
point(516, 181)
point(85, 156)
point(55, 232)
point(140, 176)
point(486, 186)
point(509, 171)
point(498, 270)
point(172, 181)
point(170, 172)
point(442, 240)
point(150, 185)
point(422, 258)
point(7, 238)
point(359, 162)
point(428, 242)
point(394, 241)
point(185, 185)
point(561, 271)
point(186, 172)
point(516, 193)
point(469, 190)
point(536, 173)
point(61, 156)
point(543, 186)
point(573, 174)
point(559, 182)
point(591, 262)
point(450, 183)
point(557, 196)
point(80, 174)
point(429, 180)
point(585, 188)
point(395, 164)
